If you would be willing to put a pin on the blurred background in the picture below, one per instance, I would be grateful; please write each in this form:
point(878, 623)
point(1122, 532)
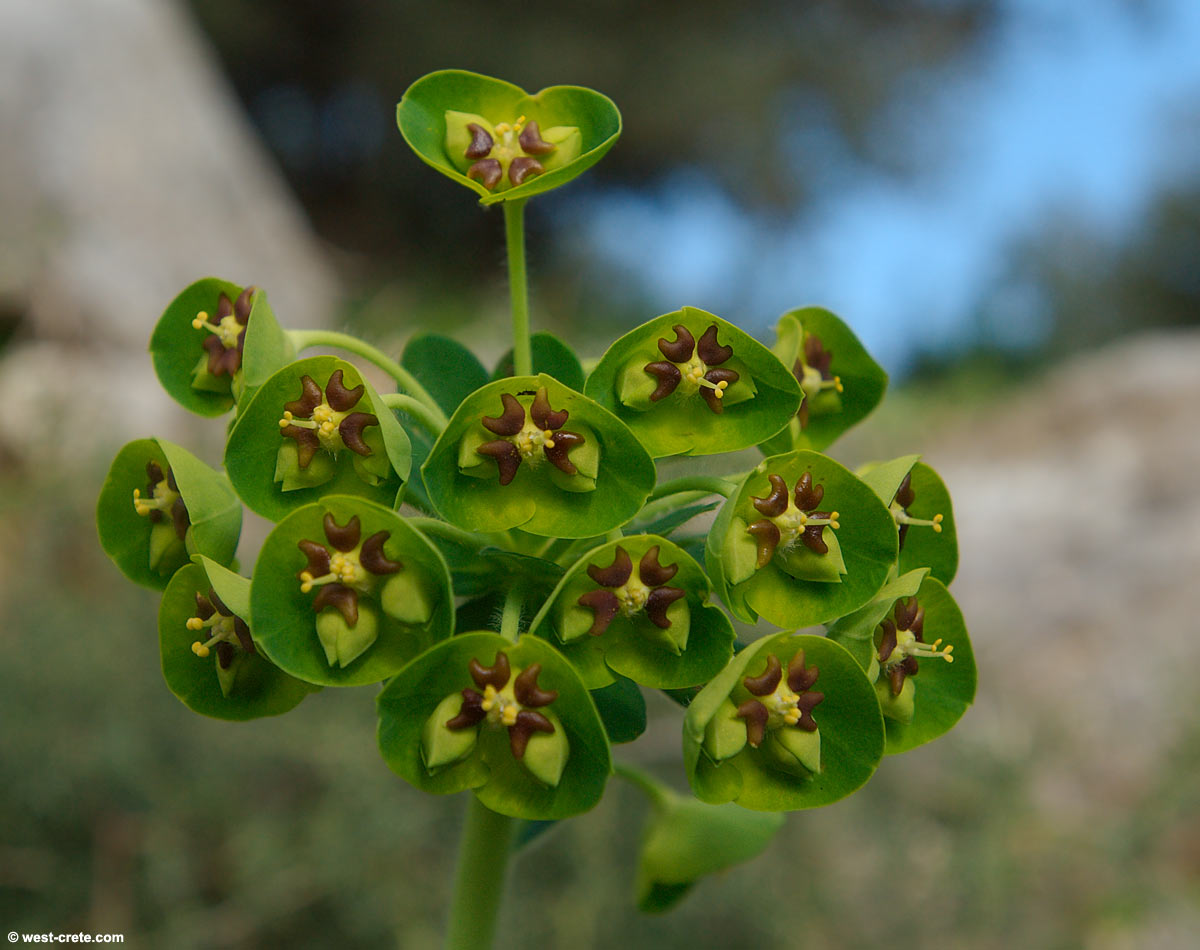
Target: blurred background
point(1002, 197)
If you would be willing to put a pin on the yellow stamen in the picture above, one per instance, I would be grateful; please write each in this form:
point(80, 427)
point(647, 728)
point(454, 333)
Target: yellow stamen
point(200, 320)
point(837, 384)
point(195, 623)
point(200, 649)
point(306, 582)
point(509, 716)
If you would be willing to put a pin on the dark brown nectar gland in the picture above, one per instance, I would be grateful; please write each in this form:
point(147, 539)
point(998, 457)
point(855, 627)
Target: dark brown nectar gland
point(694, 366)
point(813, 373)
point(521, 438)
point(512, 150)
point(228, 633)
point(324, 420)
point(623, 592)
point(790, 520)
point(905, 496)
point(506, 701)
point(162, 499)
point(344, 567)
point(779, 702)
point(228, 337)
point(900, 642)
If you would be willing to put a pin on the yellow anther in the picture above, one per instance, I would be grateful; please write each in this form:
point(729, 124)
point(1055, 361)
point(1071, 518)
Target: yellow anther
point(547, 434)
point(723, 385)
point(792, 716)
point(200, 319)
point(306, 582)
point(195, 623)
point(937, 524)
point(719, 393)
point(509, 716)
point(489, 698)
point(200, 649)
point(503, 127)
point(833, 520)
point(549, 443)
point(837, 383)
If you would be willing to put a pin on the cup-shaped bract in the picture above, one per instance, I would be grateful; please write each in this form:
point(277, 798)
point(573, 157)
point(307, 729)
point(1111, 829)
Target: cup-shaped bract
point(215, 343)
point(316, 427)
point(345, 592)
point(529, 453)
point(690, 383)
point(801, 542)
point(209, 658)
point(498, 140)
point(159, 506)
point(920, 504)
point(913, 644)
point(637, 607)
point(791, 723)
point(840, 382)
point(511, 721)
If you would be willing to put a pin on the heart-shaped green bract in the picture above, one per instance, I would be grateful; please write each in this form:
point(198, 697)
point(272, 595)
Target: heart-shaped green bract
point(942, 691)
point(285, 622)
point(851, 385)
point(258, 688)
point(536, 500)
point(252, 455)
point(754, 407)
point(848, 720)
point(632, 645)
point(685, 839)
point(499, 780)
point(866, 539)
point(622, 709)
point(421, 116)
point(922, 545)
point(550, 356)
point(447, 369)
point(177, 348)
point(149, 552)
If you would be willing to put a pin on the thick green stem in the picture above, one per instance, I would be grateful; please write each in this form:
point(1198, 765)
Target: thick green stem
point(709, 484)
point(518, 285)
point(483, 854)
point(510, 620)
point(415, 408)
point(303, 339)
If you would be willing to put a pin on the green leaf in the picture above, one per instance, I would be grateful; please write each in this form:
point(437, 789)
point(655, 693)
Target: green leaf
point(622, 708)
point(696, 646)
point(667, 522)
point(267, 347)
point(754, 407)
point(500, 780)
point(828, 412)
point(447, 369)
point(464, 486)
point(922, 545)
point(146, 552)
point(285, 622)
point(848, 720)
point(866, 538)
point(686, 839)
point(550, 356)
point(257, 687)
point(252, 455)
point(422, 118)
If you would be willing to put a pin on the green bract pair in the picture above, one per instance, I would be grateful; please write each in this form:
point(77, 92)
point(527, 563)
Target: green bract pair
point(497, 549)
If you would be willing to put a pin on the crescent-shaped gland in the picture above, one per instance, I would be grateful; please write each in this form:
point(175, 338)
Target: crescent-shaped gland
point(905, 495)
point(527, 724)
point(510, 421)
point(344, 598)
point(307, 443)
point(652, 572)
point(917, 627)
point(604, 605)
point(657, 602)
point(495, 675)
point(543, 416)
point(531, 139)
point(776, 501)
point(756, 715)
point(372, 557)
point(225, 654)
point(557, 450)
point(318, 558)
point(906, 613)
point(343, 537)
point(681, 348)
point(179, 517)
point(668, 376)
point(712, 396)
point(204, 607)
point(241, 306)
point(710, 351)
point(798, 678)
point(896, 678)
point(616, 574)
point(351, 429)
point(224, 307)
point(481, 141)
point(470, 713)
point(808, 497)
point(910, 666)
point(507, 456)
point(522, 167)
point(340, 398)
point(217, 364)
point(154, 472)
point(815, 354)
point(888, 643)
point(310, 398)
point(811, 538)
point(243, 635)
point(802, 412)
point(527, 691)
point(805, 705)
point(766, 538)
point(768, 680)
point(487, 171)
